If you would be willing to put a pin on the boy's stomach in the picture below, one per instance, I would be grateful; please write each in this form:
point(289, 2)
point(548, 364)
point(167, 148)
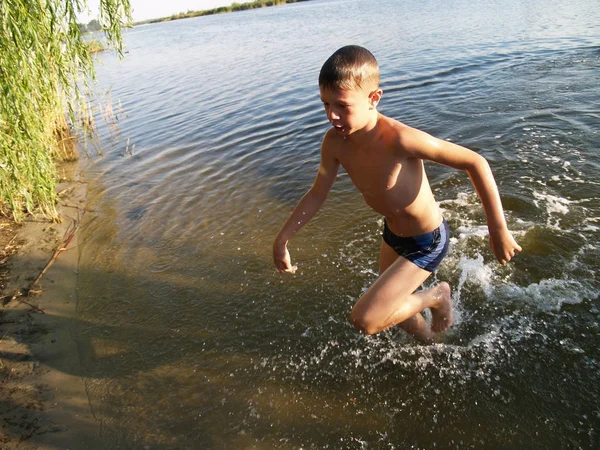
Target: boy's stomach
point(420, 217)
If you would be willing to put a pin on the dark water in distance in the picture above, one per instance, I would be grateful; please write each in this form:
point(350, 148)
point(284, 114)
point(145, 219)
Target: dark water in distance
point(190, 339)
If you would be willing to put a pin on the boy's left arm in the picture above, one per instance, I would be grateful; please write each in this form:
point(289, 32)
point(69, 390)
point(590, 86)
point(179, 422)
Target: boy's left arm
point(424, 146)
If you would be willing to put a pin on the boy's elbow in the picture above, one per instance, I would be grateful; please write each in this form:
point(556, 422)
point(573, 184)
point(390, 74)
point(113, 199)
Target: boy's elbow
point(478, 165)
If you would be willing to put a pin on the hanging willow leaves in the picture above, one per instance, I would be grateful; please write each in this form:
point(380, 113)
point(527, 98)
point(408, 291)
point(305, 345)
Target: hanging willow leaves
point(45, 66)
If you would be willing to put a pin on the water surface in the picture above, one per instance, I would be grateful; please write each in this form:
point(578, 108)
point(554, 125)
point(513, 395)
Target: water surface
point(188, 336)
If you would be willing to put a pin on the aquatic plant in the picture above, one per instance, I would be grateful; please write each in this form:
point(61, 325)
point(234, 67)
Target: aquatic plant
point(95, 46)
point(45, 69)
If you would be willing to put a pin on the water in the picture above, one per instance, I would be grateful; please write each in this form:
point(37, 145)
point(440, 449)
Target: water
point(190, 339)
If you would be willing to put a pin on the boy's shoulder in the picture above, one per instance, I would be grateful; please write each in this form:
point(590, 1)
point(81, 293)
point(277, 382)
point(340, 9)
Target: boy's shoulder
point(393, 126)
point(395, 131)
point(392, 134)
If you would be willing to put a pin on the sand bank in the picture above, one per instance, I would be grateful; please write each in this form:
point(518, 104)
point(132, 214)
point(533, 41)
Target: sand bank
point(43, 402)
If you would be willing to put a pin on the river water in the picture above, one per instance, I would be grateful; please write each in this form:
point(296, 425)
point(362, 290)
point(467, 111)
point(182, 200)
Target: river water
point(188, 336)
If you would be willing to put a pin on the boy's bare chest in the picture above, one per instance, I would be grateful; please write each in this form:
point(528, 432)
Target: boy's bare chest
point(376, 173)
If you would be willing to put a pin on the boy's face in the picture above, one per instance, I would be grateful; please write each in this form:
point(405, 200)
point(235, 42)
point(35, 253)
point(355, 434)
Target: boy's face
point(350, 110)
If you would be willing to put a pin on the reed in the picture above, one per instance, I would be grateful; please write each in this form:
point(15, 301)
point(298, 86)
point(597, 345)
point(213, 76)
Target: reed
point(45, 70)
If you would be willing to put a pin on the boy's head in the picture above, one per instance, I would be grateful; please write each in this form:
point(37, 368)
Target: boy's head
point(350, 68)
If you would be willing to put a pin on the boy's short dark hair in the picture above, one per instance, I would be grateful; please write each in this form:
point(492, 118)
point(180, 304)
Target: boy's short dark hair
point(350, 67)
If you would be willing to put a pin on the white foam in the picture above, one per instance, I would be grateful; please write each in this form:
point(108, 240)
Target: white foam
point(549, 294)
point(465, 232)
point(546, 295)
point(553, 204)
point(590, 228)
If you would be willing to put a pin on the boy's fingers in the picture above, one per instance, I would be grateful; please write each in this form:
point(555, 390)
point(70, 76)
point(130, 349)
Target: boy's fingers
point(287, 269)
point(509, 257)
point(291, 269)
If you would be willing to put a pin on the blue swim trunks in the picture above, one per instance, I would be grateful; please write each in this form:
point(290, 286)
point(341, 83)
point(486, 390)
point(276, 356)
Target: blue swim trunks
point(425, 250)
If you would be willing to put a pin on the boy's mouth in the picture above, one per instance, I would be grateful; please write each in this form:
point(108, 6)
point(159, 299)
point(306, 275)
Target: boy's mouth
point(339, 128)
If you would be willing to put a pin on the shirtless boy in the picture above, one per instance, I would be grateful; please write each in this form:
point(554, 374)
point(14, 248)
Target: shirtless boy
point(384, 159)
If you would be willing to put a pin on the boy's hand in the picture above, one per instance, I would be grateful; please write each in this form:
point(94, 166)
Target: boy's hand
point(282, 260)
point(504, 246)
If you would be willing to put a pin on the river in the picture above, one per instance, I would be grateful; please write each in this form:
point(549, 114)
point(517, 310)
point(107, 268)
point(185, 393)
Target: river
point(188, 336)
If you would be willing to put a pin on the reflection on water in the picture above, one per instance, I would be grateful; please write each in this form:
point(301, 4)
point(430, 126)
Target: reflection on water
point(188, 336)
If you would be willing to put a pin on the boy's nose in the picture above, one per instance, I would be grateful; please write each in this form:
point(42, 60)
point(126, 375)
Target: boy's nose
point(332, 115)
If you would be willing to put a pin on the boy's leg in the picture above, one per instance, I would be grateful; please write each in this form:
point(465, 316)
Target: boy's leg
point(416, 325)
point(391, 299)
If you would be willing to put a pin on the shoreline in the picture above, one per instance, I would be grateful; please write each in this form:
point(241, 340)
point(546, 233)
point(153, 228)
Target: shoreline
point(42, 393)
point(234, 7)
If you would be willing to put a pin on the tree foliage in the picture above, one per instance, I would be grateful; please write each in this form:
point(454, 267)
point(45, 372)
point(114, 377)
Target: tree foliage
point(45, 65)
point(92, 25)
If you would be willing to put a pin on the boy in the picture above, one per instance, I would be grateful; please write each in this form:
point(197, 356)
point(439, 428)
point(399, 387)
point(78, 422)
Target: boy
point(384, 159)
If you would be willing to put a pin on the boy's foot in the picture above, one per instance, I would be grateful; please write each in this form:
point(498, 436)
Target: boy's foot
point(441, 314)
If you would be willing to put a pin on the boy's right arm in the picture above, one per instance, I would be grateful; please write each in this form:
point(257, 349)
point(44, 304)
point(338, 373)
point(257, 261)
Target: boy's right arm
point(305, 210)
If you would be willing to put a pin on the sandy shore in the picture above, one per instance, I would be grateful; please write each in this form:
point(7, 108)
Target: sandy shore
point(43, 402)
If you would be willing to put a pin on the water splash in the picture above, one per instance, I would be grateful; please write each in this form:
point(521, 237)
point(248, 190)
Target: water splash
point(475, 271)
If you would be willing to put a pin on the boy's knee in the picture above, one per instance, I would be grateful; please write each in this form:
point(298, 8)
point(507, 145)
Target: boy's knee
point(362, 324)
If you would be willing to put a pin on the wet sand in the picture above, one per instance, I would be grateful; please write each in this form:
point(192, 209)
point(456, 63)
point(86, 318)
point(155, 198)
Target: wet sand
point(43, 403)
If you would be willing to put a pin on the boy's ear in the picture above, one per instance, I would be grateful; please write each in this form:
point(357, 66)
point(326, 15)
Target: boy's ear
point(374, 98)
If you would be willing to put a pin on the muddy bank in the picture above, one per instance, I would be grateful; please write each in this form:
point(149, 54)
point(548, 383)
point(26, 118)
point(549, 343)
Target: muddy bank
point(42, 395)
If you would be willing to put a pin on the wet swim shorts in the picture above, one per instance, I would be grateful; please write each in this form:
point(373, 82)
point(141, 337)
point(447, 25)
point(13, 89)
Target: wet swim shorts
point(426, 250)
